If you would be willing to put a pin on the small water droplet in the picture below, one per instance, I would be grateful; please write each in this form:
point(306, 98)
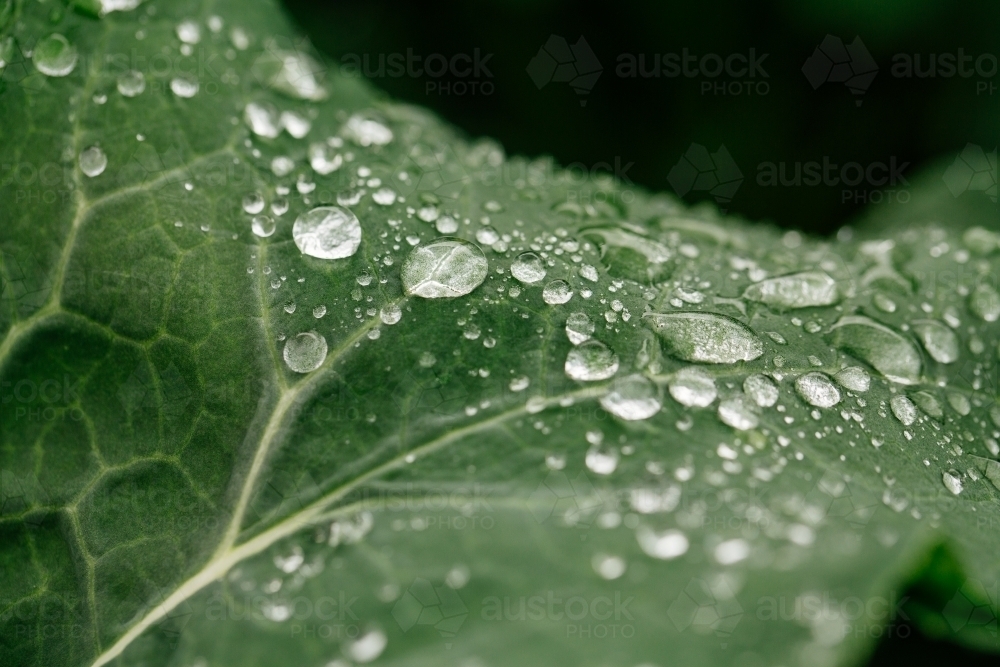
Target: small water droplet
point(579, 328)
point(446, 225)
point(443, 269)
point(487, 235)
point(296, 125)
point(904, 409)
point(384, 196)
point(761, 390)
point(854, 378)
point(365, 132)
point(319, 311)
point(189, 32)
point(664, 545)
point(602, 461)
point(632, 398)
point(589, 272)
point(939, 341)
point(184, 87)
point(262, 119)
point(323, 159)
point(590, 361)
point(985, 302)
point(132, 83)
point(327, 232)
point(253, 203)
point(736, 413)
point(608, 567)
point(368, 646)
point(732, 551)
point(952, 481)
point(93, 161)
point(390, 314)
point(305, 352)
point(693, 387)
point(884, 303)
point(528, 268)
point(54, 56)
point(817, 390)
point(519, 383)
point(557, 292)
point(263, 225)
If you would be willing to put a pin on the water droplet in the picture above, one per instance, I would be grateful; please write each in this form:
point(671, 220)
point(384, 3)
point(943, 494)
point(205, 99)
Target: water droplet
point(447, 225)
point(291, 562)
point(364, 279)
point(854, 378)
point(368, 646)
point(557, 292)
point(817, 390)
point(390, 314)
point(591, 360)
point(602, 461)
point(579, 328)
point(93, 161)
point(429, 213)
point(882, 348)
point(263, 225)
point(189, 32)
point(985, 302)
point(519, 383)
point(929, 404)
point(384, 196)
point(959, 402)
point(279, 206)
point(589, 272)
point(296, 125)
point(487, 235)
point(761, 390)
point(693, 387)
point(952, 481)
point(306, 352)
point(799, 290)
point(365, 132)
point(253, 203)
point(632, 398)
point(904, 409)
point(323, 159)
point(131, 83)
point(608, 567)
point(290, 307)
point(262, 119)
point(706, 337)
point(184, 87)
point(939, 341)
point(884, 303)
point(736, 413)
point(528, 268)
point(664, 545)
point(54, 56)
point(327, 232)
point(294, 73)
point(732, 551)
point(445, 268)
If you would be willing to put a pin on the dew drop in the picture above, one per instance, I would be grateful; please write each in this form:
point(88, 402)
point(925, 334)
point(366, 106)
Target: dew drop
point(959, 402)
point(365, 132)
point(664, 545)
point(579, 328)
point(262, 119)
point(904, 409)
point(93, 161)
point(487, 235)
point(985, 302)
point(557, 292)
point(632, 398)
point(446, 225)
point(131, 83)
point(327, 232)
point(884, 303)
point(319, 312)
point(306, 352)
point(929, 404)
point(591, 360)
point(368, 646)
point(390, 314)
point(189, 32)
point(608, 567)
point(799, 290)
point(589, 272)
point(253, 203)
point(761, 390)
point(263, 225)
point(528, 268)
point(854, 378)
point(693, 387)
point(323, 159)
point(952, 482)
point(736, 413)
point(384, 196)
point(732, 551)
point(54, 56)
point(817, 390)
point(184, 87)
point(706, 337)
point(939, 341)
point(882, 348)
point(445, 268)
point(296, 125)
point(602, 461)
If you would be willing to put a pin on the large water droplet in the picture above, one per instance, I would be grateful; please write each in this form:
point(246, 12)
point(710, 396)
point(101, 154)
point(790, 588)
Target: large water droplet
point(761, 390)
point(799, 290)
point(904, 409)
point(736, 413)
point(591, 360)
point(579, 328)
point(557, 292)
point(327, 232)
point(132, 83)
point(632, 398)
point(817, 390)
point(365, 132)
point(93, 161)
point(706, 337)
point(693, 387)
point(445, 268)
point(54, 55)
point(306, 352)
point(854, 378)
point(939, 341)
point(528, 268)
point(952, 481)
point(985, 302)
point(882, 348)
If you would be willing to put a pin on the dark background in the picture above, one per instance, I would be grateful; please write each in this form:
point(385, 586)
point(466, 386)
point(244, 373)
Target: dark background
point(651, 122)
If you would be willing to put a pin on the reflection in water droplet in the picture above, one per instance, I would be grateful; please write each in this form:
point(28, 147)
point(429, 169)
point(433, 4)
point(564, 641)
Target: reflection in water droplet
point(528, 268)
point(693, 387)
point(591, 360)
point(939, 341)
point(131, 83)
point(557, 292)
point(54, 56)
point(263, 225)
point(799, 290)
point(327, 232)
point(445, 268)
point(579, 328)
point(904, 409)
point(390, 314)
point(632, 398)
point(817, 390)
point(985, 302)
point(93, 161)
point(736, 413)
point(664, 545)
point(761, 390)
point(306, 352)
point(189, 32)
point(706, 337)
point(854, 378)
point(882, 348)
point(184, 87)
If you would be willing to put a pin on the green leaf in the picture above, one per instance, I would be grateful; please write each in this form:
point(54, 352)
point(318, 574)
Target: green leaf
point(769, 442)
